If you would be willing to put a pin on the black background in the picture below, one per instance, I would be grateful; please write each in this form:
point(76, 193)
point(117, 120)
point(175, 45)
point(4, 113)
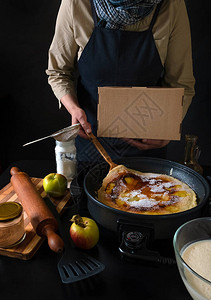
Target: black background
point(29, 109)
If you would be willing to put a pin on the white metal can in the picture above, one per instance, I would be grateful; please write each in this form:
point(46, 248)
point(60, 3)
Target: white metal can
point(66, 163)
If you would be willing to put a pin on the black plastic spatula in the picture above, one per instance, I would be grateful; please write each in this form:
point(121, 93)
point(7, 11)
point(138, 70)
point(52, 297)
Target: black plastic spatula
point(74, 264)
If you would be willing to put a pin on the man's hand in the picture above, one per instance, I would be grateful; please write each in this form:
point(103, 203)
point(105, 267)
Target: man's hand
point(78, 114)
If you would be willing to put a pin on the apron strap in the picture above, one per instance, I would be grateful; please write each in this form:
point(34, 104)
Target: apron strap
point(94, 15)
point(154, 18)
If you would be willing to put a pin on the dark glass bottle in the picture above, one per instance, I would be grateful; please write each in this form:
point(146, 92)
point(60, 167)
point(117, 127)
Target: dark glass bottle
point(192, 153)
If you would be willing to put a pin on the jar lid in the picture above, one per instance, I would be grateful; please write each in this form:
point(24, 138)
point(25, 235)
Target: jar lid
point(10, 210)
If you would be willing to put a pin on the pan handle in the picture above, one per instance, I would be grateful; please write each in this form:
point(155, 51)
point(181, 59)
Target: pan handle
point(208, 178)
point(209, 202)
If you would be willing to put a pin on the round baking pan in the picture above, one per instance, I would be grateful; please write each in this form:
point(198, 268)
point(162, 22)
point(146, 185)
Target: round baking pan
point(164, 226)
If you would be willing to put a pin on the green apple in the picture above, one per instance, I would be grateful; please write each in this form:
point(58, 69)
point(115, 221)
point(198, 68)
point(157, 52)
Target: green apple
point(55, 184)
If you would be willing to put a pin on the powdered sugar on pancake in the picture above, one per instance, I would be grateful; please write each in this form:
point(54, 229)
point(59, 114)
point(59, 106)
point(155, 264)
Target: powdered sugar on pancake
point(142, 201)
point(138, 200)
point(160, 186)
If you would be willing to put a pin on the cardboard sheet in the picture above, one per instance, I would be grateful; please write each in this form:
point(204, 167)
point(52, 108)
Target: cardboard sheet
point(140, 112)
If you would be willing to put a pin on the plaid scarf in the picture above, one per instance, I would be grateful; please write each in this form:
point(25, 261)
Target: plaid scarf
point(115, 14)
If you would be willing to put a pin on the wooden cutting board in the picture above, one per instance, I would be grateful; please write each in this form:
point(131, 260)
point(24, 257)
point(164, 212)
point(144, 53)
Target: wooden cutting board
point(31, 243)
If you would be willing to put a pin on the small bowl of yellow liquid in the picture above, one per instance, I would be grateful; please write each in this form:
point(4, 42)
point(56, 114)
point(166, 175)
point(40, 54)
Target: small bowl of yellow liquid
point(192, 247)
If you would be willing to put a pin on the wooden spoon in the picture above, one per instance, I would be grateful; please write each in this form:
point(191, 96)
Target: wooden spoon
point(102, 151)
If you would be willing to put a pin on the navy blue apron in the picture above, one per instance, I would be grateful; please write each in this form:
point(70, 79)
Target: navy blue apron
point(115, 58)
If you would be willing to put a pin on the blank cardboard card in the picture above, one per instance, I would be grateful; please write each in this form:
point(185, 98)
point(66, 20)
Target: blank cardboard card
point(140, 112)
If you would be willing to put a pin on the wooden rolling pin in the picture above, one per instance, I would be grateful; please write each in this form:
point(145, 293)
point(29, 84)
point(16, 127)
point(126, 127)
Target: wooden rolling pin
point(42, 220)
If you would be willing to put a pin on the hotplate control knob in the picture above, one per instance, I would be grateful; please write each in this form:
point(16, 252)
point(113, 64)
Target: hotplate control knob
point(133, 239)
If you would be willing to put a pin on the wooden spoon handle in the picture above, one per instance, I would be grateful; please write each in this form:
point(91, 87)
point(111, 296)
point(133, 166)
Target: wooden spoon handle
point(102, 151)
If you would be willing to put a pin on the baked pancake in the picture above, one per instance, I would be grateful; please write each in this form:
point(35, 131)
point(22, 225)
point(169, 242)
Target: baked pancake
point(145, 193)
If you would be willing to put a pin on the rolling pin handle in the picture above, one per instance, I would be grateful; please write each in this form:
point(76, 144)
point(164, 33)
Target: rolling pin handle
point(14, 171)
point(55, 242)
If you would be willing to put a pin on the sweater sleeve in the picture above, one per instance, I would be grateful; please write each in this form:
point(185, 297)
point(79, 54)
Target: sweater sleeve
point(63, 54)
point(178, 64)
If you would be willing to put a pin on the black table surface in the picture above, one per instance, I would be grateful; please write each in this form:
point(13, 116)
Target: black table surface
point(38, 278)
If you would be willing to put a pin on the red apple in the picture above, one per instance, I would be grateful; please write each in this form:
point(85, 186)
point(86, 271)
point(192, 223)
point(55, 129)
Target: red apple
point(55, 185)
point(84, 232)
